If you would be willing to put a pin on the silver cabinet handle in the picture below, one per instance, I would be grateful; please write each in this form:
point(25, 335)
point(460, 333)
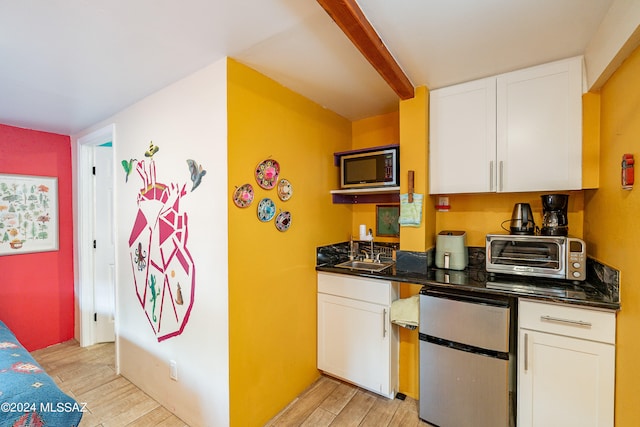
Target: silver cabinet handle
point(569, 321)
point(526, 352)
point(501, 175)
point(491, 175)
point(384, 322)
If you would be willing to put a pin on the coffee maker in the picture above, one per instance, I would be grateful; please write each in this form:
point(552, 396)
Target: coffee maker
point(554, 215)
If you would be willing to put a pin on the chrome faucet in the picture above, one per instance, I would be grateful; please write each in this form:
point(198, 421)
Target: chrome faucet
point(371, 250)
point(351, 249)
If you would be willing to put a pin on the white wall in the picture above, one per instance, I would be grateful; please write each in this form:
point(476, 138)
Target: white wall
point(187, 120)
point(618, 35)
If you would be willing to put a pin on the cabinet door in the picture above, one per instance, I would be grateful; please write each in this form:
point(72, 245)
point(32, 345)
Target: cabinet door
point(353, 342)
point(564, 381)
point(539, 128)
point(462, 141)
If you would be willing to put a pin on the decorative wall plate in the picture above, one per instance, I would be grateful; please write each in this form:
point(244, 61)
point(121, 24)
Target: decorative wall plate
point(285, 190)
point(266, 209)
point(267, 174)
point(283, 221)
point(243, 196)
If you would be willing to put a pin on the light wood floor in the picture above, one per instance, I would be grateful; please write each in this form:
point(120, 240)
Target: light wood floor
point(88, 375)
point(330, 402)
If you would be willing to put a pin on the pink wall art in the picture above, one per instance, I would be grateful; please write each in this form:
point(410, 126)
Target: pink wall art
point(163, 269)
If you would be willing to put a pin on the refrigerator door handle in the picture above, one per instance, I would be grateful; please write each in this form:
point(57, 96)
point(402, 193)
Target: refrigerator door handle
point(474, 299)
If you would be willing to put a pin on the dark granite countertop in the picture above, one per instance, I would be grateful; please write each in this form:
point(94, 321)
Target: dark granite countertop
point(476, 279)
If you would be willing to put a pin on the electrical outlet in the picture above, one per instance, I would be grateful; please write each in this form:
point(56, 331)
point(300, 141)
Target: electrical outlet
point(173, 370)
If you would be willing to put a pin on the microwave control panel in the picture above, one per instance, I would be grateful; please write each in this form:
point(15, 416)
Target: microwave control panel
point(389, 166)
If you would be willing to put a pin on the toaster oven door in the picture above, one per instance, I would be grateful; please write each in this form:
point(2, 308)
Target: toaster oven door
point(527, 255)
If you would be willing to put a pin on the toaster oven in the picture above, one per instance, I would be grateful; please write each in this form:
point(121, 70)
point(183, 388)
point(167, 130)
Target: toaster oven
point(555, 257)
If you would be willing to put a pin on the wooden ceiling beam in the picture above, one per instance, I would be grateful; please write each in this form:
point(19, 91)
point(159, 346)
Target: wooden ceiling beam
point(350, 18)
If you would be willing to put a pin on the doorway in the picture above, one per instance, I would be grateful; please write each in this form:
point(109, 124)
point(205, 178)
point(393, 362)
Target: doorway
point(96, 237)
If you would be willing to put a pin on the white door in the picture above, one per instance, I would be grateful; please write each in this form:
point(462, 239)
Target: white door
point(564, 381)
point(104, 253)
point(462, 128)
point(353, 342)
point(539, 128)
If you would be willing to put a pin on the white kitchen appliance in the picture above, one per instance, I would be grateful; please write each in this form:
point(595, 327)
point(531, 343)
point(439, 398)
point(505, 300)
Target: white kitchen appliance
point(451, 250)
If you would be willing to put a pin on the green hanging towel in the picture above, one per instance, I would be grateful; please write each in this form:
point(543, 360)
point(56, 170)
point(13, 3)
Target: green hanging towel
point(410, 213)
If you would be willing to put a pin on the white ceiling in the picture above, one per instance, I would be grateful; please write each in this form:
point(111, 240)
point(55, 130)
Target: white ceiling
point(68, 64)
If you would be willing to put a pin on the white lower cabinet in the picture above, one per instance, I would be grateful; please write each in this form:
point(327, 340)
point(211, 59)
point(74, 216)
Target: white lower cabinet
point(356, 341)
point(566, 366)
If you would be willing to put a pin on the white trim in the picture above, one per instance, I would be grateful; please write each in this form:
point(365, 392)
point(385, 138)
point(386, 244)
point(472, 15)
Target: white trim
point(617, 36)
point(84, 231)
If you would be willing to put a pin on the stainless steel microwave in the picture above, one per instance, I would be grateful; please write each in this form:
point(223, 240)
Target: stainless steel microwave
point(379, 168)
point(543, 256)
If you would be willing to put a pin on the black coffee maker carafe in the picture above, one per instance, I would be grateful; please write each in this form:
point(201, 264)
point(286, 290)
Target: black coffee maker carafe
point(554, 215)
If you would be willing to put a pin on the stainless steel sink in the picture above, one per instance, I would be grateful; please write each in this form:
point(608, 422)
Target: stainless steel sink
point(365, 266)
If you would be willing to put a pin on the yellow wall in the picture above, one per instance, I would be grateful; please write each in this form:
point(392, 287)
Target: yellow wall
point(590, 140)
point(481, 214)
point(414, 155)
point(272, 278)
point(373, 132)
point(612, 226)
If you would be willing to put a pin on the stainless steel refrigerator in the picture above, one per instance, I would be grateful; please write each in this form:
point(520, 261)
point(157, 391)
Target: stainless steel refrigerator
point(466, 349)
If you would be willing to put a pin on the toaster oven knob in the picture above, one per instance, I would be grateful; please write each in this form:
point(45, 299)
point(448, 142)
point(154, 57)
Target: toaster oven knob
point(576, 265)
point(576, 274)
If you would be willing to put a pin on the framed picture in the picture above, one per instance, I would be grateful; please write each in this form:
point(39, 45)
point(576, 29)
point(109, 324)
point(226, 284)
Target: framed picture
point(387, 220)
point(28, 214)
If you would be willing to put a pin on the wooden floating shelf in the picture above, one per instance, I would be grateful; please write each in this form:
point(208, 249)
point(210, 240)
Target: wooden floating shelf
point(367, 195)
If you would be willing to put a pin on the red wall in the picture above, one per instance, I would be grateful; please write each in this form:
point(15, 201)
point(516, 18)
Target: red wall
point(36, 290)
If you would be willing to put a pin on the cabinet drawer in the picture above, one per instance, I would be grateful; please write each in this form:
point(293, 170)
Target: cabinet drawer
point(369, 290)
point(584, 323)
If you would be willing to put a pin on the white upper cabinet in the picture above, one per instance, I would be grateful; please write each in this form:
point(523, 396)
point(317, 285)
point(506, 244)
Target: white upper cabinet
point(519, 131)
point(539, 128)
point(463, 138)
